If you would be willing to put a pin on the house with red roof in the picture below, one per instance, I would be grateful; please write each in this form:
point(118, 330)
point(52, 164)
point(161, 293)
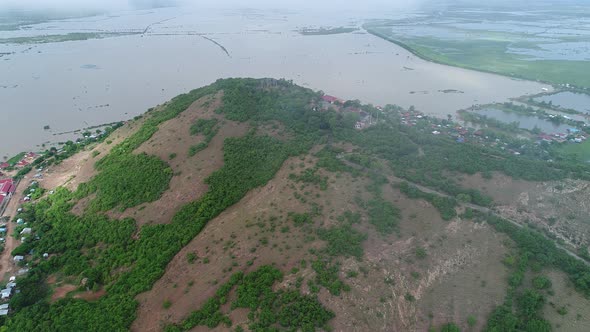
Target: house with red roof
point(331, 99)
point(6, 187)
point(4, 165)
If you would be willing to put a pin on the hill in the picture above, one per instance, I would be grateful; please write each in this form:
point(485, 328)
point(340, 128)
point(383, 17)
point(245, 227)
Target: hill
point(252, 204)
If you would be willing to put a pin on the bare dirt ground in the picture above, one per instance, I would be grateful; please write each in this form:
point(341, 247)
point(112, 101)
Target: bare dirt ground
point(559, 207)
point(190, 172)
point(79, 168)
point(7, 266)
point(576, 316)
point(445, 286)
point(255, 230)
point(462, 256)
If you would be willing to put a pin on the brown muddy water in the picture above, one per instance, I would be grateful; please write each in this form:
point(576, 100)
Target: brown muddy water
point(76, 84)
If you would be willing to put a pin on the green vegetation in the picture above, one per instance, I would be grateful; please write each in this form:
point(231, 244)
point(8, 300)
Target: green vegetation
point(269, 310)
point(249, 161)
point(343, 241)
point(578, 151)
point(124, 260)
point(73, 36)
point(488, 55)
point(126, 181)
point(299, 219)
point(541, 282)
point(205, 127)
point(327, 276)
point(383, 215)
point(208, 128)
point(326, 31)
point(309, 176)
point(450, 327)
point(15, 159)
point(444, 205)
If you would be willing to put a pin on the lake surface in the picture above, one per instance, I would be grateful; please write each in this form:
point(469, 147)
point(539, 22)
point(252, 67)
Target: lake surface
point(525, 121)
point(576, 101)
point(76, 84)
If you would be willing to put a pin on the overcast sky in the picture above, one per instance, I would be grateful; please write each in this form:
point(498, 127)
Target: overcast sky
point(113, 5)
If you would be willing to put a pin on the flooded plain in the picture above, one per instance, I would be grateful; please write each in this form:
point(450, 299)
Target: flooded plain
point(75, 84)
point(524, 121)
point(570, 100)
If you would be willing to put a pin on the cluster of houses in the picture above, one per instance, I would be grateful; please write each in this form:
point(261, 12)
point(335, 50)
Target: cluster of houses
point(7, 188)
point(5, 295)
point(27, 159)
point(573, 135)
point(462, 134)
point(411, 117)
point(365, 119)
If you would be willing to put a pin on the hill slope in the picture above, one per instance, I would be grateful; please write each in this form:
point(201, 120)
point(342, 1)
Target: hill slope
point(253, 204)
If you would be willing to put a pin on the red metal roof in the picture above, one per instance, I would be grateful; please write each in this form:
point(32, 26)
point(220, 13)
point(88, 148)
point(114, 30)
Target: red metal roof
point(4, 165)
point(330, 99)
point(6, 186)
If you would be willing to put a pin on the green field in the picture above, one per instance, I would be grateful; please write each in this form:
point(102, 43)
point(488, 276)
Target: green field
point(549, 46)
point(490, 56)
point(325, 31)
point(581, 151)
point(74, 36)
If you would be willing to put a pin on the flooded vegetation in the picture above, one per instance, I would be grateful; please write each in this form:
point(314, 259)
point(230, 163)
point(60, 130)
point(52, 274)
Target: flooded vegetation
point(578, 102)
point(522, 121)
point(546, 43)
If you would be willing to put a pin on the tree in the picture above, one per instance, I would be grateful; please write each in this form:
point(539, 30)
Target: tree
point(450, 327)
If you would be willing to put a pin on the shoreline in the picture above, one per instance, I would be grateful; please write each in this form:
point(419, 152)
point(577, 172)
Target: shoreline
point(429, 59)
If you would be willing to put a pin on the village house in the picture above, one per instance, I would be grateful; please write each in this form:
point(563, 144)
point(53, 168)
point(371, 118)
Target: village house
point(7, 187)
point(331, 99)
point(5, 293)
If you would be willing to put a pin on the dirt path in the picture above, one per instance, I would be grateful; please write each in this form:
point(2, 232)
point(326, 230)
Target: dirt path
point(479, 208)
point(6, 264)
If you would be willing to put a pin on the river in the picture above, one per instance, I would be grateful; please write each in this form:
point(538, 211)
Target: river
point(75, 84)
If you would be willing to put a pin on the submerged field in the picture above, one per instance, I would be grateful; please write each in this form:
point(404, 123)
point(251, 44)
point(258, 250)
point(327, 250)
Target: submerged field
point(548, 45)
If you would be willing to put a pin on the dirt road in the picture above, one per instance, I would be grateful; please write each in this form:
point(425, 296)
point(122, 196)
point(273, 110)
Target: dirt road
point(7, 266)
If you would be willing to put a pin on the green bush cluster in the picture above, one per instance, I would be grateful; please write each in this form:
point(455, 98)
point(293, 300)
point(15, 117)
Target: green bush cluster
point(444, 205)
point(309, 176)
point(383, 215)
point(127, 181)
point(208, 128)
point(343, 241)
point(269, 310)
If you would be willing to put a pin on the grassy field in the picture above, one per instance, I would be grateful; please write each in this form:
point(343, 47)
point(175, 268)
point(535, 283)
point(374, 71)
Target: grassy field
point(326, 31)
point(74, 36)
point(490, 55)
point(581, 150)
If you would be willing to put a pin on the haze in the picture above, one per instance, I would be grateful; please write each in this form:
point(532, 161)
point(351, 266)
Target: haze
point(114, 5)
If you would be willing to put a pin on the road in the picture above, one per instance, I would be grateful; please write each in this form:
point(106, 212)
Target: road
point(7, 266)
point(479, 208)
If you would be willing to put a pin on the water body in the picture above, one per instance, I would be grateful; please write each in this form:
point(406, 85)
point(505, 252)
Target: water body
point(176, 50)
point(577, 101)
point(525, 121)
